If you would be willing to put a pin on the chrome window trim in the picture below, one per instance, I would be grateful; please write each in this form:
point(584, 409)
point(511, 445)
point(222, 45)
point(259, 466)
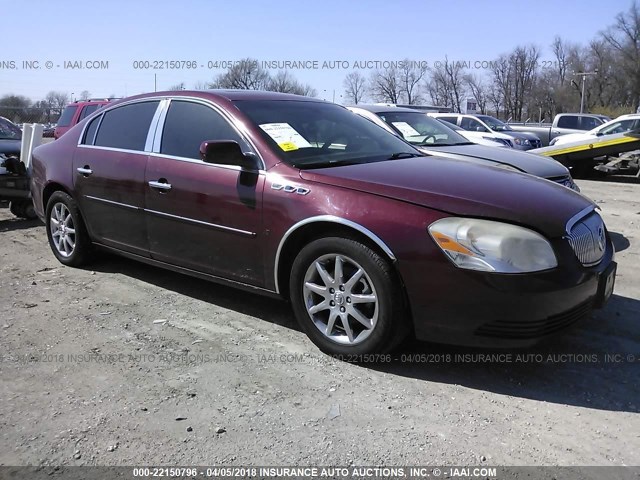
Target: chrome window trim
point(159, 126)
point(107, 108)
point(237, 168)
point(331, 219)
point(113, 149)
point(200, 222)
point(111, 202)
point(207, 103)
point(578, 216)
point(153, 126)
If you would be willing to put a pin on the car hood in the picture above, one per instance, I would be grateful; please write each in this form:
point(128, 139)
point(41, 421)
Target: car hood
point(527, 162)
point(522, 135)
point(462, 188)
point(10, 147)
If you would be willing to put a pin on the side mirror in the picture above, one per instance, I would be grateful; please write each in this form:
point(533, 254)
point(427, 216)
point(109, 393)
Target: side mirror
point(228, 152)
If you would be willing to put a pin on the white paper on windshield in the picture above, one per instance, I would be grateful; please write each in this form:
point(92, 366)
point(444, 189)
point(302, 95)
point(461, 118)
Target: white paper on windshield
point(406, 130)
point(285, 136)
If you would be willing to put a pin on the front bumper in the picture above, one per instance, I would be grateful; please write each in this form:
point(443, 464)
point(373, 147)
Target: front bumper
point(464, 307)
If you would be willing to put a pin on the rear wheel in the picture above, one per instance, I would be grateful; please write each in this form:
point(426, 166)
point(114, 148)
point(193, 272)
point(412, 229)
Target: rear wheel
point(23, 209)
point(347, 298)
point(68, 237)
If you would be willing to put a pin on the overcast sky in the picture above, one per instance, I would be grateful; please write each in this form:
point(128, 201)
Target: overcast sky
point(203, 31)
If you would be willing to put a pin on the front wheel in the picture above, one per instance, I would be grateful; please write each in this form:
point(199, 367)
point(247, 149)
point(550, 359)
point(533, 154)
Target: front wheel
point(67, 234)
point(347, 298)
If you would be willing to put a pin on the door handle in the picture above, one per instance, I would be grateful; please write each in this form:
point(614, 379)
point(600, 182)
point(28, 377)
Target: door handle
point(160, 185)
point(85, 171)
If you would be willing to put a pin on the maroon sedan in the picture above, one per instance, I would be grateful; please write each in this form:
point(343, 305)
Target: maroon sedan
point(290, 196)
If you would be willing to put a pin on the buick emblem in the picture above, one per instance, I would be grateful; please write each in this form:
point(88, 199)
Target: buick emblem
point(601, 239)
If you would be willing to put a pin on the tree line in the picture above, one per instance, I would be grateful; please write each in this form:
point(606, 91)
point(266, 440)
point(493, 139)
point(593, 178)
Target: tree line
point(518, 85)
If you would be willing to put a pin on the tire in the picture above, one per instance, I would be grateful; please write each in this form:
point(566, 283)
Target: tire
point(23, 209)
point(375, 323)
point(16, 208)
point(67, 234)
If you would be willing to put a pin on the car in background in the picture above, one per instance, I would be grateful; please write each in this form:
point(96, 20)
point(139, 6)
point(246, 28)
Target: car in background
point(477, 137)
point(75, 112)
point(488, 124)
point(563, 124)
point(622, 124)
point(296, 197)
point(14, 181)
point(437, 138)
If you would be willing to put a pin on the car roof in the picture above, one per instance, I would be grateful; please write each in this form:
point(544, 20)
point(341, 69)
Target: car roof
point(384, 108)
point(228, 94)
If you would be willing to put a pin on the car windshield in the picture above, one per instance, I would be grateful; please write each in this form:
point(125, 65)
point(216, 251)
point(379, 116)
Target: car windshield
point(495, 124)
point(315, 134)
point(9, 131)
point(420, 129)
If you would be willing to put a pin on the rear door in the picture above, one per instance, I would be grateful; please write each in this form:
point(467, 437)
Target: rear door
point(109, 167)
point(202, 216)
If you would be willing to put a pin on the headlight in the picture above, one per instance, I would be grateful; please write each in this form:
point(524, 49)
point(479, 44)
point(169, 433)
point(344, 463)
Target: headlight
point(492, 246)
point(521, 141)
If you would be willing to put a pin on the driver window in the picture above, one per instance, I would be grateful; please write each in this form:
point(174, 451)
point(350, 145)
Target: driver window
point(188, 124)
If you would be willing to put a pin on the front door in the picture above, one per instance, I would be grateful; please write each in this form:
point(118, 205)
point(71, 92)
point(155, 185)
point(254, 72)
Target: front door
point(201, 216)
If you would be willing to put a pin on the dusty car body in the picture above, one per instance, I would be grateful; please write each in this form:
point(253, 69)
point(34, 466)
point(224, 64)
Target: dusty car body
point(295, 197)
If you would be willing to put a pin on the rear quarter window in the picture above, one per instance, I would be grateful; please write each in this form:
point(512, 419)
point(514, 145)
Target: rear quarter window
point(87, 110)
point(126, 127)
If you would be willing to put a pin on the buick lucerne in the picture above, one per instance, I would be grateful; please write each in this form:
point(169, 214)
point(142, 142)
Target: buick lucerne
point(370, 239)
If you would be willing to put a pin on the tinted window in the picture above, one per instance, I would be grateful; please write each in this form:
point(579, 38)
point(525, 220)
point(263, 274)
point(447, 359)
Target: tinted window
point(90, 132)
point(189, 124)
point(126, 127)
point(88, 110)
point(453, 120)
point(67, 116)
point(472, 125)
point(568, 121)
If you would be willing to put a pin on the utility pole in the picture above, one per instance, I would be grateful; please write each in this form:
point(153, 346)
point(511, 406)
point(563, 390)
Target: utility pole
point(584, 79)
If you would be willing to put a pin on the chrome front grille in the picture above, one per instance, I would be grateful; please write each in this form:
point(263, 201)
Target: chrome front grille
point(587, 237)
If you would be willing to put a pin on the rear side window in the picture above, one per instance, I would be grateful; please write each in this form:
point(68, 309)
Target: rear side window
point(86, 111)
point(90, 132)
point(453, 120)
point(189, 124)
point(67, 116)
point(568, 121)
point(126, 127)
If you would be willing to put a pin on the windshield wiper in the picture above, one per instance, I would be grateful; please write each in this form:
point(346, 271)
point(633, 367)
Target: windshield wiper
point(395, 156)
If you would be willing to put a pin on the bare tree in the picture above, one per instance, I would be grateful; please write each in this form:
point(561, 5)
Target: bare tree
point(178, 86)
point(200, 85)
point(514, 75)
point(355, 87)
point(411, 76)
point(285, 82)
point(57, 99)
point(446, 86)
point(386, 85)
point(85, 95)
point(624, 39)
point(247, 74)
point(479, 91)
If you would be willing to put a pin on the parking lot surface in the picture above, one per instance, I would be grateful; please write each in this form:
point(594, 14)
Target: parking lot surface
point(123, 364)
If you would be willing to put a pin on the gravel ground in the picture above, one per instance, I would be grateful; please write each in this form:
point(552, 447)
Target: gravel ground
point(124, 364)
